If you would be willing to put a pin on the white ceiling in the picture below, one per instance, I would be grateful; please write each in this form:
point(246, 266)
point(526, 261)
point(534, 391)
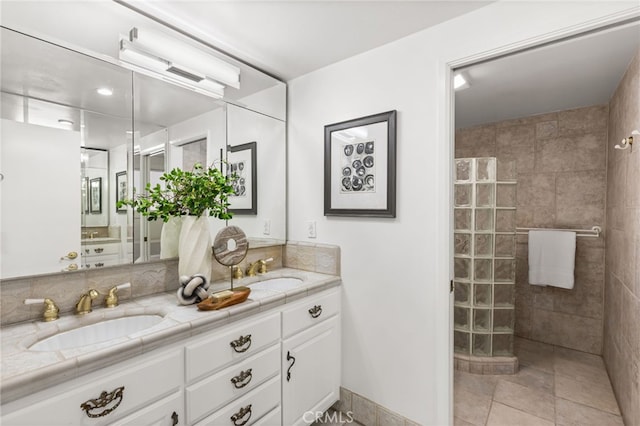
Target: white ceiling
point(292, 38)
point(579, 72)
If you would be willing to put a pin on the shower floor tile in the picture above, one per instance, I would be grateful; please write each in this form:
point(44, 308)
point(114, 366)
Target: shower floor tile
point(554, 386)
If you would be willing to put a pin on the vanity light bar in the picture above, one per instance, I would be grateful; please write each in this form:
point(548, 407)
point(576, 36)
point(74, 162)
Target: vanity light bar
point(163, 46)
point(168, 71)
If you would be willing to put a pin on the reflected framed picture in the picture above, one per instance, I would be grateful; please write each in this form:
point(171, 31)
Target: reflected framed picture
point(242, 161)
point(84, 190)
point(121, 190)
point(95, 195)
point(360, 167)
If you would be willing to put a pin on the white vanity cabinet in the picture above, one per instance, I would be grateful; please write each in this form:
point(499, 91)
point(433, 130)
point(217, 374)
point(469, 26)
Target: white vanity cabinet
point(268, 369)
point(116, 393)
point(310, 358)
point(98, 255)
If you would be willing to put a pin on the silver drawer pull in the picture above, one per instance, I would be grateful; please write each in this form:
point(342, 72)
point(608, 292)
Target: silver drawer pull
point(241, 344)
point(239, 380)
point(240, 415)
point(106, 399)
point(315, 311)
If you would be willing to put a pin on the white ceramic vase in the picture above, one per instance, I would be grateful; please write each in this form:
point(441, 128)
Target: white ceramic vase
point(195, 247)
point(170, 237)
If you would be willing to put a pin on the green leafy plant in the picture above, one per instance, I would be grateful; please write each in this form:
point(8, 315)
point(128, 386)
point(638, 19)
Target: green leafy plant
point(191, 193)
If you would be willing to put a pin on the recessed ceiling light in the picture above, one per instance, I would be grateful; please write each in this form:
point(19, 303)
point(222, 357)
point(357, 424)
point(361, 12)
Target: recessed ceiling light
point(64, 121)
point(104, 91)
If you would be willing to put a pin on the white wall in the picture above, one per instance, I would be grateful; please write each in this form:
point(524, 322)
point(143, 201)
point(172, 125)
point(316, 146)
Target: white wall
point(396, 271)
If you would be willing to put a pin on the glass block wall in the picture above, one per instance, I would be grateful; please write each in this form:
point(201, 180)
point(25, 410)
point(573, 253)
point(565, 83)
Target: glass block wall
point(484, 261)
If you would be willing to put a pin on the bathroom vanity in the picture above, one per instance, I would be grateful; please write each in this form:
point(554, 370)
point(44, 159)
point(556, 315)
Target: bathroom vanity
point(267, 361)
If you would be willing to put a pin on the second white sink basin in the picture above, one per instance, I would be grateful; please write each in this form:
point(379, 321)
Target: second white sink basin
point(97, 333)
point(277, 284)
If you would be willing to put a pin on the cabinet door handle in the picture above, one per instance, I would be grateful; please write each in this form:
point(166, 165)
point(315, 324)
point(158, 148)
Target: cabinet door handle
point(105, 399)
point(241, 344)
point(98, 250)
point(240, 415)
point(239, 380)
point(174, 418)
point(293, 361)
point(315, 311)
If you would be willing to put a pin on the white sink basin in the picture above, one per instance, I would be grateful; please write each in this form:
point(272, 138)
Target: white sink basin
point(277, 284)
point(97, 333)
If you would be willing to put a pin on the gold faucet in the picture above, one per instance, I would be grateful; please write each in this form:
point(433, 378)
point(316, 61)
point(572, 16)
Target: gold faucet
point(50, 308)
point(111, 301)
point(237, 272)
point(84, 304)
point(260, 264)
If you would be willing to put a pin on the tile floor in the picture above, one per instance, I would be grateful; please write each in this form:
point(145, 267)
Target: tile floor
point(555, 386)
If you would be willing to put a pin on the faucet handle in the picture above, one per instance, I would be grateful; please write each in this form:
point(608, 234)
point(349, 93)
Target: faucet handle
point(51, 310)
point(236, 270)
point(262, 269)
point(111, 301)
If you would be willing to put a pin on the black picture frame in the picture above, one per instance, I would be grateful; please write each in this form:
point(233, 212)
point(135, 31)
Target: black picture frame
point(243, 160)
point(95, 197)
point(121, 190)
point(360, 167)
point(84, 189)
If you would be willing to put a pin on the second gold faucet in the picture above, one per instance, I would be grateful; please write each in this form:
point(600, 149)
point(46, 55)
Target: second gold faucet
point(86, 300)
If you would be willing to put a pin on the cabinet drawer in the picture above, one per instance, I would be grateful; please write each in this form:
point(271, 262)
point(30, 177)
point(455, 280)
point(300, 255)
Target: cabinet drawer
point(210, 355)
point(213, 392)
point(249, 409)
point(313, 310)
point(117, 391)
point(166, 412)
point(273, 418)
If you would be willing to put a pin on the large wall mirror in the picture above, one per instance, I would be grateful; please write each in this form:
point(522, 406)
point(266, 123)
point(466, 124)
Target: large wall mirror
point(69, 151)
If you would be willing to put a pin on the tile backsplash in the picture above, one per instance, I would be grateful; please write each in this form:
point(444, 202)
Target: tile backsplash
point(65, 288)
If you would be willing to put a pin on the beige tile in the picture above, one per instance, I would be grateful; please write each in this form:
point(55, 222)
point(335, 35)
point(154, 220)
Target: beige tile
point(517, 143)
point(581, 120)
point(536, 189)
point(547, 129)
point(388, 418)
point(364, 410)
point(471, 407)
point(476, 142)
point(478, 384)
point(459, 422)
point(532, 401)
point(536, 360)
point(569, 413)
point(581, 333)
point(533, 378)
point(572, 153)
point(599, 397)
point(502, 415)
point(344, 403)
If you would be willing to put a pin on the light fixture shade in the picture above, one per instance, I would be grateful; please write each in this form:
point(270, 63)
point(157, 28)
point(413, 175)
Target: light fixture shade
point(174, 51)
point(173, 73)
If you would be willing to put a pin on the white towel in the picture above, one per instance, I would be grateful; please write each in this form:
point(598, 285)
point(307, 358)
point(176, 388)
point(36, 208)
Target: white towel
point(552, 258)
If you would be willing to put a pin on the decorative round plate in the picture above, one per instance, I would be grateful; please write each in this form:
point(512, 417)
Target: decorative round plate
point(230, 246)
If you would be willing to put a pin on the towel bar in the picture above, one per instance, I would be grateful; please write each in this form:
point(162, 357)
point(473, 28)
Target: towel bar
point(594, 232)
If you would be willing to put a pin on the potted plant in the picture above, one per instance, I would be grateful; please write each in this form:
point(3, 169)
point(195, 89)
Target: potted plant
point(192, 196)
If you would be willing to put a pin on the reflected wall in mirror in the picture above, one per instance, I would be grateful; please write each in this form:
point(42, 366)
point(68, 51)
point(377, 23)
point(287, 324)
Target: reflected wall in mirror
point(50, 98)
point(62, 143)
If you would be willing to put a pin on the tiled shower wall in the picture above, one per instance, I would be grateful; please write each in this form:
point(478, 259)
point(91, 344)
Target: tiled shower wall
point(622, 289)
point(561, 173)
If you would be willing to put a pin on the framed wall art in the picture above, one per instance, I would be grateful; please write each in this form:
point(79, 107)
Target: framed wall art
point(121, 190)
point(360, 167)
point(95, 197)
point(242, 160)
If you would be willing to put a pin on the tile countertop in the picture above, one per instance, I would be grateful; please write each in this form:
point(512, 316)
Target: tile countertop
point(24, 371)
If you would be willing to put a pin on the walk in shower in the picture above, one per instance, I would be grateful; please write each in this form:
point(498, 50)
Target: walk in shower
point(484, 265)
